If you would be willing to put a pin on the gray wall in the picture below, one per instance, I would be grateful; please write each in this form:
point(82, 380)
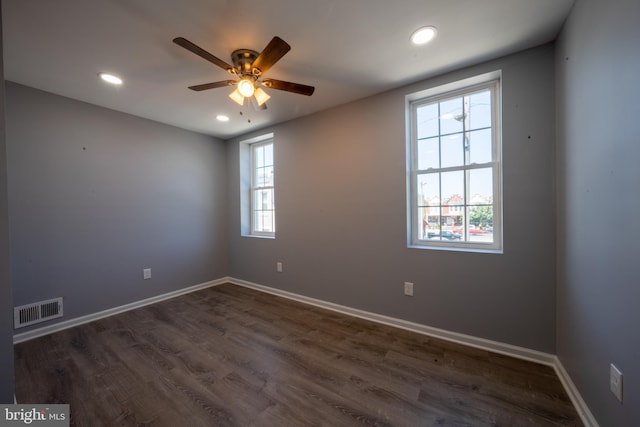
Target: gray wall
point(341, 215)
point(598, 67)
point(6, 317)
point(95, 196)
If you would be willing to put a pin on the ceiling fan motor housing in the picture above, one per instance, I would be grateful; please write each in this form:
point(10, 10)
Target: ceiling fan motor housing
point(242, 60)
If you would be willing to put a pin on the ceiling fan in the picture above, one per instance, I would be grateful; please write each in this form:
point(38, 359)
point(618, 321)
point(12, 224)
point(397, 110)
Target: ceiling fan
point(249, 67)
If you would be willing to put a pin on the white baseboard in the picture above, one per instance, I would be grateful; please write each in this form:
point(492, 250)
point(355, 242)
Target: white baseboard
point(56, 327)
point(481, 343)
point(578, 402)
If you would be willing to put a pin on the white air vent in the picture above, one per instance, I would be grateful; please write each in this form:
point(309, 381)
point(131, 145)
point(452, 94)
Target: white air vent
point(29, 314)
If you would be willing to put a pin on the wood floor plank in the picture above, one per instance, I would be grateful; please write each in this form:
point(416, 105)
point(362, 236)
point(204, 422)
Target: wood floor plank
point(233, 356)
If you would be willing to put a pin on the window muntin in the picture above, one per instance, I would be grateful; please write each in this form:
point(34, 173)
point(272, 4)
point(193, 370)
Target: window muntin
point(455, 168)
point(262, 189)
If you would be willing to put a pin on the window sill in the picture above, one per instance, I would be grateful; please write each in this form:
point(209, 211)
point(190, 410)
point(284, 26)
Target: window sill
point(457, 249)
point(258, 236)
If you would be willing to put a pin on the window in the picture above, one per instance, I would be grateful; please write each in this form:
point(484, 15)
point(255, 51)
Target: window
point(262, 189)
point(257, 185)
point(454, 163)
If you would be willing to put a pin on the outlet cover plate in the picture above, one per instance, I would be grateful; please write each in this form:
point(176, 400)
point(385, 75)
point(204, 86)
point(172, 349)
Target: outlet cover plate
point(615, 382)
point(408, 289)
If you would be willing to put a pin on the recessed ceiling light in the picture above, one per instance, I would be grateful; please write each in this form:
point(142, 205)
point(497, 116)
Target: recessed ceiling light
point(423, 35)
point(110, 78)
point(222, 118)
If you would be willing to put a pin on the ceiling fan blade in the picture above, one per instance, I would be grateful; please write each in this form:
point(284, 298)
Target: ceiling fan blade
point(213, 85)
point(275, 50)
point(181, 41)
point(289, 87)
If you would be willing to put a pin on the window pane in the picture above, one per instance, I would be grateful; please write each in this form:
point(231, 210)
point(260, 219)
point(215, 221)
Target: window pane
point(428, 189)
point(453, 188)
point(257, 200)
point(451, 114)
point(263, 221)
point(268, 155)
point(455, 224)
point(428, 153)
point(481, 186)
point(259, 177)
point(258, 224)
point(452, 218)
point(269, 222)
point(480, 110)
point(263, 199)
point(427, 125)
point(265, 176)
point(452, 221)
point(481, 223)
point(432, 215)
point(423, 225)
point(480, 146)
point(258, 156)
point(452, 150)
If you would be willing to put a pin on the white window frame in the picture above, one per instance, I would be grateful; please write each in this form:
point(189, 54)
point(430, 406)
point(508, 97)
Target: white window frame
point(255, 188)
point(246, 166)
point(415, 239)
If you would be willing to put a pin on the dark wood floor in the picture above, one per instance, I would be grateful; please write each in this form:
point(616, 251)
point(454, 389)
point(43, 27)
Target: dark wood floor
point(231, 356)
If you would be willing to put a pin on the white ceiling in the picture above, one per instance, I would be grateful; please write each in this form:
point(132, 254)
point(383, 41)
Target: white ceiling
point(347, 49)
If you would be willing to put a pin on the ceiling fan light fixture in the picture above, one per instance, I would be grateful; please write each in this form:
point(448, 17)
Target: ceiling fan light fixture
point(237, 97)
point(245, 87)
point(423, 35)
point(261, 96)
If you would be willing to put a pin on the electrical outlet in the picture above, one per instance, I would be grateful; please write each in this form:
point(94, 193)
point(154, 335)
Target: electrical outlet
point(408, 289)
point(146, 273)
point(279, 267)
point(615, 382)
